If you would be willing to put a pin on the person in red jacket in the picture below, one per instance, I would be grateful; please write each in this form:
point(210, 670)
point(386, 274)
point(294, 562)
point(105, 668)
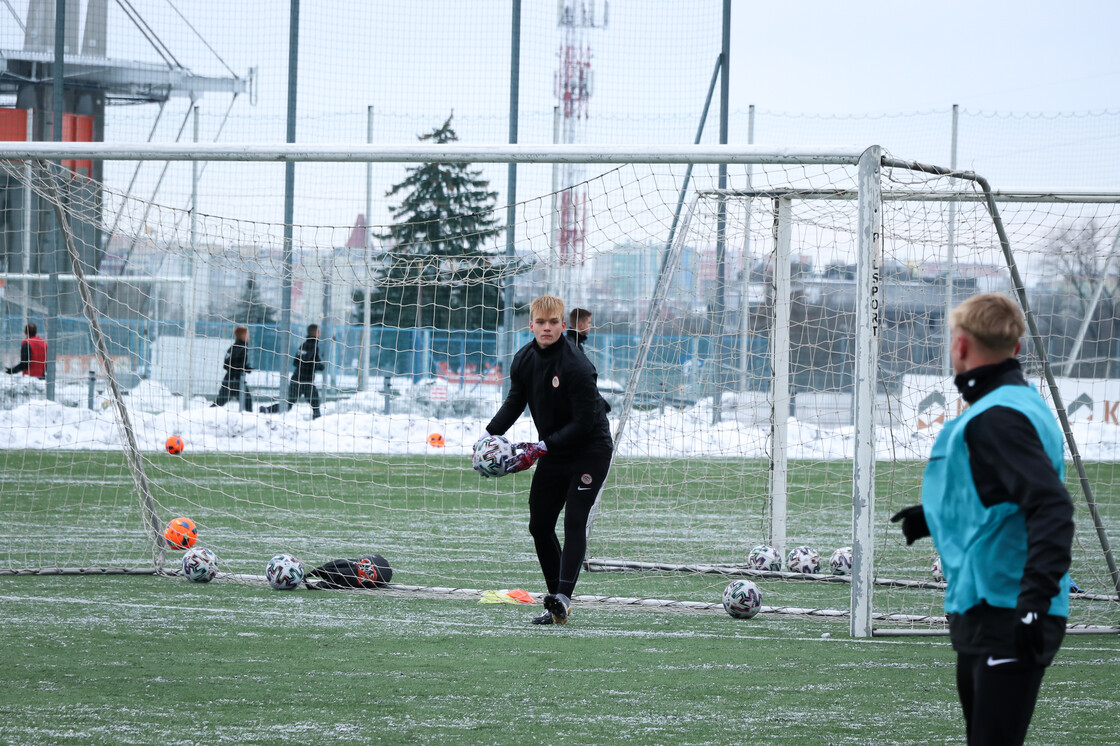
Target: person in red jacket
point(32, 354)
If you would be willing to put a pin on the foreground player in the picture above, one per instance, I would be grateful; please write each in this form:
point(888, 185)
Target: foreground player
point(559, 385)
point(994, 502)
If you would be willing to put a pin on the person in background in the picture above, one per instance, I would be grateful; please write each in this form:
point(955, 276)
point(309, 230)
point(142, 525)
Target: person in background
point(579, 326)
point(994, 501)
point(32, 354)
point(236, 365)
point(305, 364)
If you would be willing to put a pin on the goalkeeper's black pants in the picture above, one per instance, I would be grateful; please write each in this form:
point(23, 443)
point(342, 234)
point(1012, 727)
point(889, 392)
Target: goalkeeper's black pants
point(572, 486)
point(998, 696)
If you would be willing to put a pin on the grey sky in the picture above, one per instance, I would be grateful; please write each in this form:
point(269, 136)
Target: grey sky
point(828, 73)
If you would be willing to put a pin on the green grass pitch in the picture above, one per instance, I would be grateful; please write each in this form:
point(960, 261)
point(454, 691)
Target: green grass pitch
point(143, 659)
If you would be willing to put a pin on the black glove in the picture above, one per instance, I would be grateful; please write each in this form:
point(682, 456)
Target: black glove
point(8, 371)
point(1028, 635)
point(914, 524)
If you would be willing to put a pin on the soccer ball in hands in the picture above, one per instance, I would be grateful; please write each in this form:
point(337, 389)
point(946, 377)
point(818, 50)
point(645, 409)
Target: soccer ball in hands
point(181, 533)
point(490, 454)
point(841, 561)
point(200, 565)
point(742, 599)
point(764, 557)
point(284, 572)
point(174, 445)
point(804, 559)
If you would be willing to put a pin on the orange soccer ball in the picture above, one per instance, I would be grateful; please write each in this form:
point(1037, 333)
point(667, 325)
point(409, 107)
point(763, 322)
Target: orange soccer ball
point(435, 440)
point(181, 533)
point(174, 445)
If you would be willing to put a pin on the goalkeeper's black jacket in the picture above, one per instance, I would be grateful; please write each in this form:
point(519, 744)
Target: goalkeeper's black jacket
point(560, 386)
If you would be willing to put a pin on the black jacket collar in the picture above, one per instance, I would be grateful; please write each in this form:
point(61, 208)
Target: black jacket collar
point(977, 382)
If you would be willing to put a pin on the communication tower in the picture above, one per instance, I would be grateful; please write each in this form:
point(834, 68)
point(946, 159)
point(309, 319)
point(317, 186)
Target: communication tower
point(574, 86)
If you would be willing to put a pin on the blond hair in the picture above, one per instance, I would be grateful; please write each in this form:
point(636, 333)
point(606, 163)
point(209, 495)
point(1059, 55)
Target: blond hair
point(546, 306)
point(993, 320)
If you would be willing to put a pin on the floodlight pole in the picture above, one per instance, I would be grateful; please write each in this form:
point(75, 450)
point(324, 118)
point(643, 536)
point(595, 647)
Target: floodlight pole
point(721, 223)
point(506, 339)
point(58, 107)
point(289, 199)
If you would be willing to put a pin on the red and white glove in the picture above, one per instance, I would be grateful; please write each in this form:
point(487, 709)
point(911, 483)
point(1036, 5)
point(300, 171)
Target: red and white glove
point(524, 455)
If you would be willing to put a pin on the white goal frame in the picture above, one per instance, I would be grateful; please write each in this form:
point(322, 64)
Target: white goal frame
point(868, 163)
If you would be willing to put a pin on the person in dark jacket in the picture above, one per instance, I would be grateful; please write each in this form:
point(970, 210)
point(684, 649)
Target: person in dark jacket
point(304, 366)
point(579, 326)
point(236, 365)
point(558, 384)
point(994, 502)
point(32, 354)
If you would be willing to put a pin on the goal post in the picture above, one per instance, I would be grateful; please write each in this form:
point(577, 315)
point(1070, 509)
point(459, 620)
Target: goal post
point(784, 391)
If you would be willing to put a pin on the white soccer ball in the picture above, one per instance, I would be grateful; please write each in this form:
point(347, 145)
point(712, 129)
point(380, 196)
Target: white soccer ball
point(841, 561)
point(804, 559)
point(284, 572)
point(490, 454)
point(764, 557)
point(742, 599)
point(200, 565)
point(938, 576)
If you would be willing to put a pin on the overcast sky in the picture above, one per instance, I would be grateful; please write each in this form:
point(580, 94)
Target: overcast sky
point(1038, 82)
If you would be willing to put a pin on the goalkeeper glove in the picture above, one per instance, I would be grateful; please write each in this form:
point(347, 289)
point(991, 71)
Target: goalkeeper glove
point(914, 524)
point(1028, 635)
point(524, 455)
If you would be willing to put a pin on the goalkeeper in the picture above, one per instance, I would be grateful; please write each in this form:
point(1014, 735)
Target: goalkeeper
point(994, 502)
point(559, 385)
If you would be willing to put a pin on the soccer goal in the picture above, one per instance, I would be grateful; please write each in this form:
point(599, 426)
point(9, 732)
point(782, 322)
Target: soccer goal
point(768, 327)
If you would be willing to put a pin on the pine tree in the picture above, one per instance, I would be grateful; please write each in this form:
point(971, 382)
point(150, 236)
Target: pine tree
point(439, 272)
point(251, 309)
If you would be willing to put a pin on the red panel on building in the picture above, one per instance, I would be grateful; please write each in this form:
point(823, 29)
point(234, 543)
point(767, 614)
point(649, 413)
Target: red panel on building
point(78, 128)
point(13, 125)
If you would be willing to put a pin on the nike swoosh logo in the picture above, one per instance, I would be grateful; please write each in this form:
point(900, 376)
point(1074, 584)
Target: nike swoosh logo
point(1000, 661)
point(1029, 617)
point(582, 489)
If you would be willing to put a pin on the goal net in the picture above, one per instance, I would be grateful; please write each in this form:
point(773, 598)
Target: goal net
point(771, 338)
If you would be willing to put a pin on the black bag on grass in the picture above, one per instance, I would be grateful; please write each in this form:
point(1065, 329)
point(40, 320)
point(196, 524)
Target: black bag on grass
point(368, 571)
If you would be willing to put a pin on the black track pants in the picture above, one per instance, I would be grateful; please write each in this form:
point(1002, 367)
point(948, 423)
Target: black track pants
point(998, 696)
point(571, 486)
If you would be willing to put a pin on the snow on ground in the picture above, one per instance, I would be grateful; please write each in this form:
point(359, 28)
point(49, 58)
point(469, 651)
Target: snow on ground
point(358, 423)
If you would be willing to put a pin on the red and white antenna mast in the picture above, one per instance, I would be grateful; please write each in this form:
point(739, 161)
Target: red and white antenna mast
point(575, 18)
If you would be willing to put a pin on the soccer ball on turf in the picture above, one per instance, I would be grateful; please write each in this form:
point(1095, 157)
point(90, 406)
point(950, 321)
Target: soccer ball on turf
point(841, 561)
point(490, 454)
point(200, 565)
point(938, 575)
point(284, 572)
point(764, 557)
point(181, 533)
point(174, 445)
point(742, 599)
point(804, 559)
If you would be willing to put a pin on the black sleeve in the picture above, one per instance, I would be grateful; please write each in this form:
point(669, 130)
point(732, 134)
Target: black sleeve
point(24, 358)
point(1009, 464)
point(319, 365)
point(227, 363)
point(512, 407)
